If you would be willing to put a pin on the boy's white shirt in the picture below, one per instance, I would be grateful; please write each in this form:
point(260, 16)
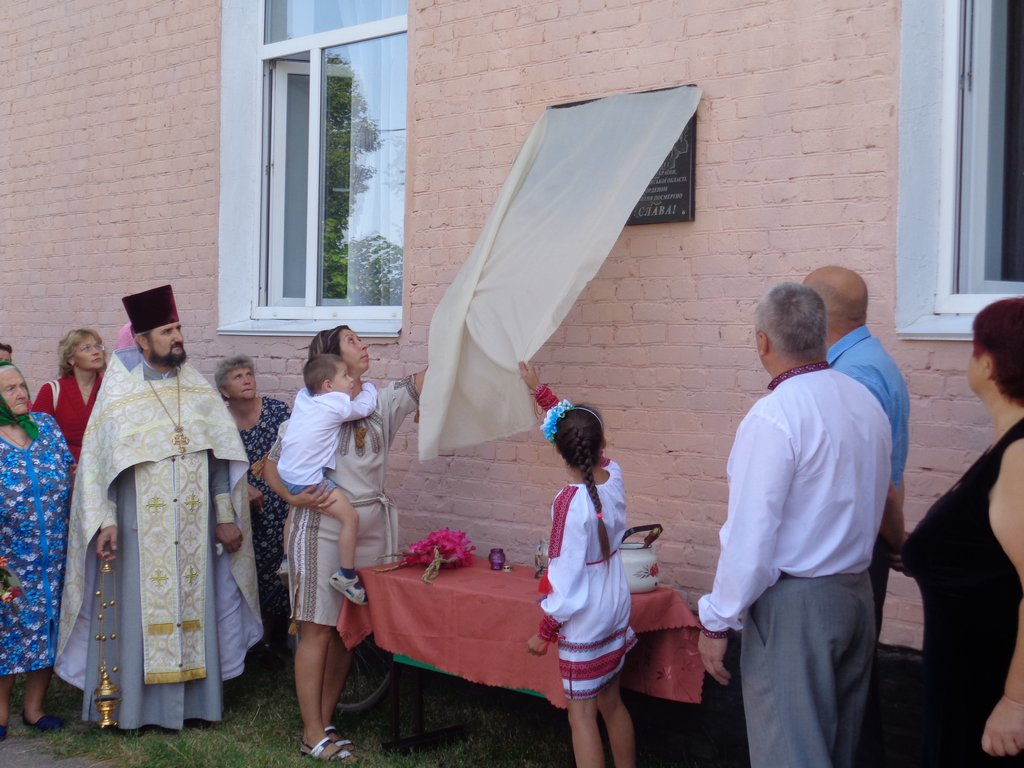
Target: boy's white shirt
point(311, 441)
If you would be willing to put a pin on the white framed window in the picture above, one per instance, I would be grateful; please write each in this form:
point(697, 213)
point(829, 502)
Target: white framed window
point(321, 237)
point(961, 208)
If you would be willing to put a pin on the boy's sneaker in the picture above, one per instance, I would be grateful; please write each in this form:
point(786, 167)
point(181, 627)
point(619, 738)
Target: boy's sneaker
point(350, 588)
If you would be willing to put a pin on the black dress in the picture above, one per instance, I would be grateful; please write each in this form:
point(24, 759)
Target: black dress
point(971, 595)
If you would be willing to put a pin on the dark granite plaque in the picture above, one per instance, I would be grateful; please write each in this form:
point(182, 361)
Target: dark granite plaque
point(669, 196)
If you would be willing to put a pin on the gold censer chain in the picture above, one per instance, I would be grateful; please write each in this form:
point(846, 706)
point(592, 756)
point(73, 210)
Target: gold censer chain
point(180, 439)
point(107, 695)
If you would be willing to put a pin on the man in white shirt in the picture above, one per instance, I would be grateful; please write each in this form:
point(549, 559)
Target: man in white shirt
point(808, 475)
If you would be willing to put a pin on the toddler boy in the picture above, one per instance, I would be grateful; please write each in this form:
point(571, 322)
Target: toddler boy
point(310, 444)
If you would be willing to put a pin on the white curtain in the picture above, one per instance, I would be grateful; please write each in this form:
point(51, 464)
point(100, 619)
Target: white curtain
point(571, 188)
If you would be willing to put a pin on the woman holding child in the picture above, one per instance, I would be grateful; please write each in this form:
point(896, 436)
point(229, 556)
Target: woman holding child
point(321, 660)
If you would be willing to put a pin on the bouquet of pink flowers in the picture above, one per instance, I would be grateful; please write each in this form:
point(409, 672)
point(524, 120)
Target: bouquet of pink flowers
point(10, 587)
point(440, 549)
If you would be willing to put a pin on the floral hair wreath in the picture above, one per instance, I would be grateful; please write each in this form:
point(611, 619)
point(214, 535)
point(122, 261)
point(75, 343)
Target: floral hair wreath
point(554, 415)
point(555, 412)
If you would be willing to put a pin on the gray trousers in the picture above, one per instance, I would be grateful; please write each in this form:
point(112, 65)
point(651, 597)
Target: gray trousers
point(806, 661)
point(871, 750)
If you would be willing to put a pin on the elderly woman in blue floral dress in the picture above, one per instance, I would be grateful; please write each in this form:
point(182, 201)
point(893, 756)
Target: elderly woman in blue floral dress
point(258, 418)
point(35, 486)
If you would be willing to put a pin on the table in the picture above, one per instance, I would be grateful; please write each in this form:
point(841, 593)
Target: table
point(474, 622)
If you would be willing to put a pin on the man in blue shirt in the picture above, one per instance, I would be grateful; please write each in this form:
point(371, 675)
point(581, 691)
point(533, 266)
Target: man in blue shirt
point(858, 354)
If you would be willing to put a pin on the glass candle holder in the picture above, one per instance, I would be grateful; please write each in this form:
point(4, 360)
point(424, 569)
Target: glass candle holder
point(497, 558)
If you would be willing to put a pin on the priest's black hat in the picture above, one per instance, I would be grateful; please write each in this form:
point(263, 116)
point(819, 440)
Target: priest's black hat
point(151, 309)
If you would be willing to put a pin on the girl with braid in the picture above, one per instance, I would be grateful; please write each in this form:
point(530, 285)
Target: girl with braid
point(586, 609)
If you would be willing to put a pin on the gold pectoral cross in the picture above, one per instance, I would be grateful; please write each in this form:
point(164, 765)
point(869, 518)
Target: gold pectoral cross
point(180, 440)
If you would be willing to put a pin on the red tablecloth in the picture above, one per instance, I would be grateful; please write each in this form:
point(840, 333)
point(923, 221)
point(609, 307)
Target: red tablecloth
point(474, 622)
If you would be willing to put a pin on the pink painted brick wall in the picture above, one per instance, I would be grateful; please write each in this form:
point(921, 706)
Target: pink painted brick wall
point(796, 168)
point(109, 120)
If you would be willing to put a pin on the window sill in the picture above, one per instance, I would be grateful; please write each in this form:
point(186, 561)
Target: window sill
point(370, 329)
point(939, 328)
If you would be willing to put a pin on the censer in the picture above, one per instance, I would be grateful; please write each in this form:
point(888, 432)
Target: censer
point(106, 695)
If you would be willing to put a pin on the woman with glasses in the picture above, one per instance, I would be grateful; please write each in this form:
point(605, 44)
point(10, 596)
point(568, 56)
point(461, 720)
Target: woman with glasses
point(69, 399)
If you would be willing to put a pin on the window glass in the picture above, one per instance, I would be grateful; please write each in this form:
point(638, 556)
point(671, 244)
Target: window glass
point(296, 141)
point(363, 172)
point(1013, 204)
point(287, 19)
point(991, 194)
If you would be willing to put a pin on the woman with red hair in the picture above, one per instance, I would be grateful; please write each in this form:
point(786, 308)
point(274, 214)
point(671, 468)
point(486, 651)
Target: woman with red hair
point(967, 556)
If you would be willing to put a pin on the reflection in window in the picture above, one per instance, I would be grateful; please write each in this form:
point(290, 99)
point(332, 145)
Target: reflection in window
point(364, 169)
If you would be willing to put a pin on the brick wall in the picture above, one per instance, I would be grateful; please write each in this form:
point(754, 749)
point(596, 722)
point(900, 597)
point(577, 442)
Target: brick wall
point(109, 184)
point(109, 164)
point(796, 168)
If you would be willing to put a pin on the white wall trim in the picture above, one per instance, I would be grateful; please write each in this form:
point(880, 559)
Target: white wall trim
point(926, 306)
point(241, 172)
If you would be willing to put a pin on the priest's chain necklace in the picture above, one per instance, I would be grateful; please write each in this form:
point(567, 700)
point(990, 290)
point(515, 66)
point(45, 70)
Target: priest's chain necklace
point(179, 439)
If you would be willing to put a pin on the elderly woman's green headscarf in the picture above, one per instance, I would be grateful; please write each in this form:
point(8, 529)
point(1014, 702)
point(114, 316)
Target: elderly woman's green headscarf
point(7, 415)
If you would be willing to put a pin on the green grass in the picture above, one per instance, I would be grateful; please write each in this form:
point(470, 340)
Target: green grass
point(261, 729)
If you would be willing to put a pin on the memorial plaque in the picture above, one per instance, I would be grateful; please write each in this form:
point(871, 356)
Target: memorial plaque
point(669, 196)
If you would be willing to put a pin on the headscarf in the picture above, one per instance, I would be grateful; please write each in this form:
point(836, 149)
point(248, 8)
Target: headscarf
point(125, 337)
point(7, 415)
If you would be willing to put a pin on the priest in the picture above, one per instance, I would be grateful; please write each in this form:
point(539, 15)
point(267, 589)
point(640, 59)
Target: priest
point(161, 496)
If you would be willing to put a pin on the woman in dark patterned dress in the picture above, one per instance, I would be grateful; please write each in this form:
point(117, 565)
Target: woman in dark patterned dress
point(967, 556)
point(258, 419)
point(35, 487)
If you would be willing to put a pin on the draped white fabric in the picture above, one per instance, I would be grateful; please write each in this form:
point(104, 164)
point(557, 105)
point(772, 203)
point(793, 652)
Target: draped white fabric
point(570, 191)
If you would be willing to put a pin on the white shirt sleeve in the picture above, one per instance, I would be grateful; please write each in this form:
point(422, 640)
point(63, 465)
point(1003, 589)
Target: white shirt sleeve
point(567, 568)
point(342, 408)
point(761, 467)
point(364, 403)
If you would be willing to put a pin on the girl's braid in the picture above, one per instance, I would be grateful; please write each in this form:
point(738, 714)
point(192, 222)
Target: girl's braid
point(583, 459)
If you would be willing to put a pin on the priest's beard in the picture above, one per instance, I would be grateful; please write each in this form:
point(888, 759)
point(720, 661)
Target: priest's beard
point(175, 357)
